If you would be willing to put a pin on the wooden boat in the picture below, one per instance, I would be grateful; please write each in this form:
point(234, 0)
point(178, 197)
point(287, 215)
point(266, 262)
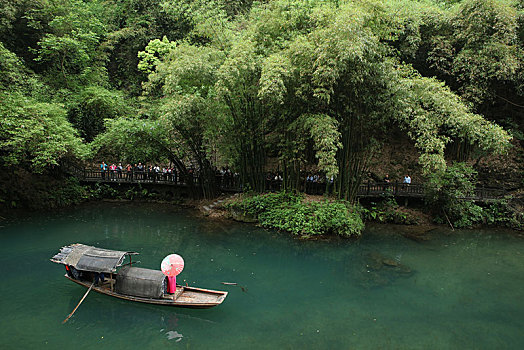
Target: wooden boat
point(84, 263)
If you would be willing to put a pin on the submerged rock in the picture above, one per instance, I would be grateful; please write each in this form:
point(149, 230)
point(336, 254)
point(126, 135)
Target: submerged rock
point(380, 271)
point(403, 269)
point(416, 237)
point(374, 261)
point(390, 262)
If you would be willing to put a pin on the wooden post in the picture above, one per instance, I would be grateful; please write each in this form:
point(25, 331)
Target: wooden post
point(111, 281)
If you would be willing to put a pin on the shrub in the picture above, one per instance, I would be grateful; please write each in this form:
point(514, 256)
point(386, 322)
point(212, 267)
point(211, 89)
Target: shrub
point(447, 193)
point(22, 189)
point(501, 213)
point(100, 191)
point(387, 211)
point(288, 212)
point(255, 204)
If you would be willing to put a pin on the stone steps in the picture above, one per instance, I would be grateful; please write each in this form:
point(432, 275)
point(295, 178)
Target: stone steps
point(207, 208)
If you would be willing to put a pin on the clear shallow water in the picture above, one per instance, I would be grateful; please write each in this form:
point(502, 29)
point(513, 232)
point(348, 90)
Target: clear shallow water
point(460, 291)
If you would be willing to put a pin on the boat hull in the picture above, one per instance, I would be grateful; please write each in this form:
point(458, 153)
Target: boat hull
point(188, 297)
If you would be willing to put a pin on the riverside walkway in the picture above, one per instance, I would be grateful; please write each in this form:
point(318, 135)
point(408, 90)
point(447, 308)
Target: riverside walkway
point(232, 184)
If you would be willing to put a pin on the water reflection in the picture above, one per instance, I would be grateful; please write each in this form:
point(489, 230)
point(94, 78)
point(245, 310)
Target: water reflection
point(114, 318)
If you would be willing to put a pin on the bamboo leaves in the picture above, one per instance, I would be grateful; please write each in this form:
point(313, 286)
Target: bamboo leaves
point(432, 115)
point(315, 85)
point(480, 48)
point(325, 133)
point(276, 69)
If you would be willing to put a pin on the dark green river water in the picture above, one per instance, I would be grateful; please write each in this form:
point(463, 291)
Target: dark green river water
point(459, 291)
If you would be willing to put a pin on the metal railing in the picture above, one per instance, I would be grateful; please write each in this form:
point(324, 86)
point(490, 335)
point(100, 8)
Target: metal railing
point(232, 183)
point(394, 188)
point(125, 176)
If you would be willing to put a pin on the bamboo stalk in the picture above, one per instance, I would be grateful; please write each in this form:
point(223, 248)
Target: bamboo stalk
point(449, 222)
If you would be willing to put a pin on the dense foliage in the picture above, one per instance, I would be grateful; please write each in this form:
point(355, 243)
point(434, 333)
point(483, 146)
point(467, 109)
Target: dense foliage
point(289, 212)
point(284, 85)
point(387, 210)
point(450, 193)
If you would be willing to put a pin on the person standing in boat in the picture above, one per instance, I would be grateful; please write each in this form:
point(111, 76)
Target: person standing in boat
point(72, 272)
point(99, 277)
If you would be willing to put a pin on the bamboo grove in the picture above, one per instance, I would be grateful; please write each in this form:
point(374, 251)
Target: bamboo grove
point(250, 84)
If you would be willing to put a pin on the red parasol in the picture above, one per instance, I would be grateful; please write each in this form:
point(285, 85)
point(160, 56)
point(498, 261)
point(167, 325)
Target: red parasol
point(172, 265)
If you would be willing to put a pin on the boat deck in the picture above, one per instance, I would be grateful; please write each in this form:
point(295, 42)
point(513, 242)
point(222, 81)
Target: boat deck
point(184, 296)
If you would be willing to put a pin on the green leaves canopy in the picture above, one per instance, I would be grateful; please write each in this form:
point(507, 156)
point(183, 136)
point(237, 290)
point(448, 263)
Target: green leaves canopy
point(35, 134)
point(134, 140)
point(315, 85)
point(315, 77)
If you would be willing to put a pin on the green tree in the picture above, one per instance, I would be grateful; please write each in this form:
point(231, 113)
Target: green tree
point(14, 76)
point(433, 117)
point(93, 105)
point(483, 50)
point(135, 140)
point(313, 76)
point(132, 24)
point(68, 52)
point(35, 135)
point(342, 65)
point(449, 193)
point(188, 106)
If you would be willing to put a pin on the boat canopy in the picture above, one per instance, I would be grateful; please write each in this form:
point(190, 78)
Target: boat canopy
point(88, 258)
point(141, 282)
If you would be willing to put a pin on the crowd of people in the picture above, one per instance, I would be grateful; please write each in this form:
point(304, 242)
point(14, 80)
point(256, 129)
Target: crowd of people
point(138, 172)
point(314, 182)
point(228, 179)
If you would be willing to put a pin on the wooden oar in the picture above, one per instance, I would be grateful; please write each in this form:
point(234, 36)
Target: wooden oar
point(85, 295)
point(244, 289)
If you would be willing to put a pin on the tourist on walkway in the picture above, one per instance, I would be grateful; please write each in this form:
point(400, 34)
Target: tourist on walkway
point(112, 170)
point(140, 169)
point(129, 172)
point(406, 182)
point(103, 169)
point(386, 182)
point(119, 169)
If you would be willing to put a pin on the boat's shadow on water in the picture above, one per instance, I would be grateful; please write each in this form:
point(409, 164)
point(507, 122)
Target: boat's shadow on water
point(106, 312)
